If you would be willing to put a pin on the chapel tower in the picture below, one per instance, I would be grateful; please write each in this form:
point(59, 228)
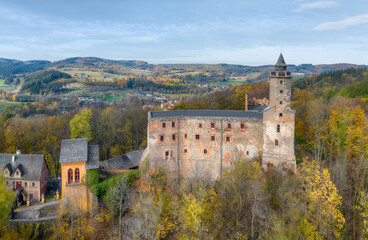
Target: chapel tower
point(279, 119)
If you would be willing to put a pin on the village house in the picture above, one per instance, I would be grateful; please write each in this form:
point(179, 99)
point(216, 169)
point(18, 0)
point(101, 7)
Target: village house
point(26, 174)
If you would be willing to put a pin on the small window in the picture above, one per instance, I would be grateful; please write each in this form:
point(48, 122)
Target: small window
point(173, 124)
point(185, 136)
point(26, 184)
point(17, 173)
point(280, 114)
point(229, 125)
point(247, 153)
point(242, 126)
point(33, 184)
point(6, 172)
point(280, 81)
point(213, 138)
point(227, 139)
point(185, 150)
point(162, 138)
point(278, 128)
point(13, 183)
point(200, 125)
point(197, 137)
point(173, 137)
point(276, 142)
point(281, 91)
point(7, 182)
point(31, 196)
point(163, 125)
point(212, 125)
point(280, 102)
point(167, 153)
point(205, 151)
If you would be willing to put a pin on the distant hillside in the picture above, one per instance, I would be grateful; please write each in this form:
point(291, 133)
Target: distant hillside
point(45, 82)
point(10, 67)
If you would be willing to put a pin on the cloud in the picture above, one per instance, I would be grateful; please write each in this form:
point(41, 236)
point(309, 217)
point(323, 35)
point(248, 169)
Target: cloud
point(315, 5)
point(342, 24)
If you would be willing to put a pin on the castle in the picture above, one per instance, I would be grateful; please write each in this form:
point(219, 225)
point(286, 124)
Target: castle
point(193, 143)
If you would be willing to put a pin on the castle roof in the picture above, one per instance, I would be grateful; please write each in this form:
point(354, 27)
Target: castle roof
point(30, 165)
point(78, 150)
point(128, 160)
point(281, 61)
point(205, 113)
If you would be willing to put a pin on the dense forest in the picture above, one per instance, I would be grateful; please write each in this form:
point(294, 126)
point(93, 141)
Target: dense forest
point(325, 198)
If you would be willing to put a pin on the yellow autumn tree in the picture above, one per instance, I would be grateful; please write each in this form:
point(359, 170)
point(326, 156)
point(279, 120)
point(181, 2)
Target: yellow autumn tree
point(80, 125)
point(323, 200)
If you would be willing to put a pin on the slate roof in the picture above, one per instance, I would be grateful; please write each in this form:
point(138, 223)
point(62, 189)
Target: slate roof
point(258, 108)
point(78, 150)
point(205, 113)
point(281, 61)
point(129, 160)
point(29, 164)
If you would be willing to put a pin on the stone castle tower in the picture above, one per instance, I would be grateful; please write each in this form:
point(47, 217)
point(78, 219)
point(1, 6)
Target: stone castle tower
point(279, 119)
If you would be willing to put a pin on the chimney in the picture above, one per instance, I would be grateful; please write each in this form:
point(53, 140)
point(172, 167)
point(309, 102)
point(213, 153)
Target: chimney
point(246, 102)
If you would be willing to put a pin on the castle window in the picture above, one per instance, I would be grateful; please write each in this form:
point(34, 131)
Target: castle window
point(77, 178)
point(212, 125)
point(33, 184)
point(7, 182)
point(197, 137)
point(162, 138)
point(173, 124)
point(278, 128)
point(31, 196)
point(280, 81)
point(280, 102)
point(229, 125)
point(185, 136)
point(173, 137)
point(276, 142)
point(242, 126)
point(70, 176)
point(227, 139)
point(280, 114)
point(25, 184)
point(185, 150)
point(163, 125)
point(213, 138)
point(281, 91)
point(167, 153)
point(247, 153)
point(200, 125)
point(205, 151)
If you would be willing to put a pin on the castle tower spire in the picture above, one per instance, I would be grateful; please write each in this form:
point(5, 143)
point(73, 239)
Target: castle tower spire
point(280, 65)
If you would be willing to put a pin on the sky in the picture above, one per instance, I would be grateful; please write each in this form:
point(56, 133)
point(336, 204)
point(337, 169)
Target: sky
point(246, 32)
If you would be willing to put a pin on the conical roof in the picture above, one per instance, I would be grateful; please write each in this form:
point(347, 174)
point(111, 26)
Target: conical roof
point(281, 61)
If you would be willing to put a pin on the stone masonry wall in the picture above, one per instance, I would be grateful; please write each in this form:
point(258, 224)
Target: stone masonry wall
point(198, 140)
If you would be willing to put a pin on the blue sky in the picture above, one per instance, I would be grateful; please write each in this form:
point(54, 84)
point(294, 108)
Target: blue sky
point(187, 31)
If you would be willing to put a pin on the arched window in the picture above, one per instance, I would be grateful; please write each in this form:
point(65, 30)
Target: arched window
point(205, 151)
point(70, 176)
point(77, 179)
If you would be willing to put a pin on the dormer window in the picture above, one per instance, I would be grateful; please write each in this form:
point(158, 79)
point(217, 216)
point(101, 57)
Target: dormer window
point(17, 173)
point(6, 172)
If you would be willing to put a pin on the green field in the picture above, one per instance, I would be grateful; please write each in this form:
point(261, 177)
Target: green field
point(99, 76)
point(3, 85)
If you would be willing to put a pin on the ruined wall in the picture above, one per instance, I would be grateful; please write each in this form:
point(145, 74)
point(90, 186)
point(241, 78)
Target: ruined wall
point(197, 143)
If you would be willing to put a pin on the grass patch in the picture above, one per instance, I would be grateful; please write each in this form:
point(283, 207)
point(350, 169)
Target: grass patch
point(101, 187)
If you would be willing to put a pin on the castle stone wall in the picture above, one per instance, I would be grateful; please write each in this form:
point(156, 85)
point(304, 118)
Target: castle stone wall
point(198, 146)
